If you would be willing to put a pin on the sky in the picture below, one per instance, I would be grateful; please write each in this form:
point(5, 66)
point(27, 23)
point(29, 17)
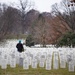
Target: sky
point(40, 5)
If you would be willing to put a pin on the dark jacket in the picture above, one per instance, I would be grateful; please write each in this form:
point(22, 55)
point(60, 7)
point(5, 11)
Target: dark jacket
point(19, 47)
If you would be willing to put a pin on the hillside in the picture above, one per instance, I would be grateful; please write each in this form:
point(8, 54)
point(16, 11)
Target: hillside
point(53, 26)
point(43, 25)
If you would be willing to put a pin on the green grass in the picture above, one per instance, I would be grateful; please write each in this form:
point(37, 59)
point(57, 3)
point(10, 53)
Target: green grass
point(38, 71)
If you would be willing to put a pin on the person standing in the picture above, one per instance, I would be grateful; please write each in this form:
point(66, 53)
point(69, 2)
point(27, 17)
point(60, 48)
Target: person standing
point(19, 47)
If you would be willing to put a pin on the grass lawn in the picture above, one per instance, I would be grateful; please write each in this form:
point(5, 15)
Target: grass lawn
point(39, 71)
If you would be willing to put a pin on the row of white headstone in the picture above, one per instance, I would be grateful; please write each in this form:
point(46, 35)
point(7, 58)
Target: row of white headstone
point(41, 56)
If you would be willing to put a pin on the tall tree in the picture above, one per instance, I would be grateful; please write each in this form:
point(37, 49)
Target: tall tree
point(10, 22)
point(25, 6)
point(41, 30)
point(66, 14)
point(3, 8)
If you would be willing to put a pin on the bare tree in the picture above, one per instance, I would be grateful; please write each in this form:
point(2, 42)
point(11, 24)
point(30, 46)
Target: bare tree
point(10, 22)
point(41, 30)
point(67, 15)
point(3, 8)
point(25, 6)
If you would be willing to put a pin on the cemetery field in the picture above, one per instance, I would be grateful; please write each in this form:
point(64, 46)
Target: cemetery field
point(38, 71)
point(35, 71)
point(36, 61)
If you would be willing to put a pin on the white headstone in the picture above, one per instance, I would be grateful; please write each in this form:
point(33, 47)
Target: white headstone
point(48, 64)
point(25, 64)
point(55, 61)
point(34, 63)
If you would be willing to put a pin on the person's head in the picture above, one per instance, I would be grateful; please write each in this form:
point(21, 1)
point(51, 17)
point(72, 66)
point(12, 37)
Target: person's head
point(19, 41)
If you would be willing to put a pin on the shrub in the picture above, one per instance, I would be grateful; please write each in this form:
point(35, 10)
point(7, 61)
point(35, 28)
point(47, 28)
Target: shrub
point(67, 39)
point(29, 41)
